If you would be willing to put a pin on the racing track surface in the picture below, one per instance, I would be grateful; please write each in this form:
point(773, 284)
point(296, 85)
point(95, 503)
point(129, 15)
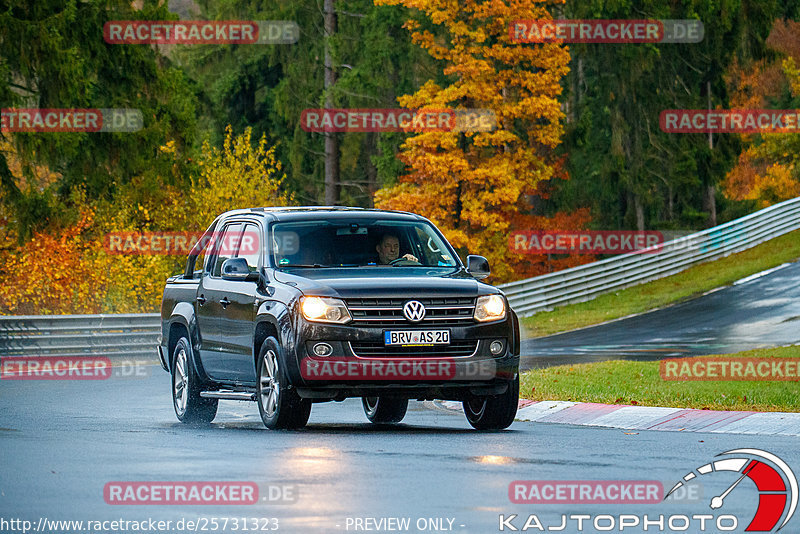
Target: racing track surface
point(753, 313)
point(62, 441)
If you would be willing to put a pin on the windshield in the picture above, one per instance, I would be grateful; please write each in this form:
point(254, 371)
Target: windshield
point(359, 243)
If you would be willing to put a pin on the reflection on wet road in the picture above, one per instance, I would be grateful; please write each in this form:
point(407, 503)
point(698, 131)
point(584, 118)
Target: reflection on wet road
point(63, 441)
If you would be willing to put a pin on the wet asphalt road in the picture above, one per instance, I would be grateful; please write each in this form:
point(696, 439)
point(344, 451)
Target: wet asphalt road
point(61, 442)
point(756, 313)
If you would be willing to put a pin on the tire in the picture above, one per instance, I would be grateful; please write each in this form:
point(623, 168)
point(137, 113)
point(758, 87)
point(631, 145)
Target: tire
point(384, 410)
point(279, 405)
point(494, 412)
point(189, 406)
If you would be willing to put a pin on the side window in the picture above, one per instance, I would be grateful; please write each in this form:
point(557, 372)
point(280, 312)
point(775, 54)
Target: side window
point(200, 264)
point(225, 247)
point(432, 248)
point(428, 255)
point(204, 258)
point(190, 240)
point(250, 246)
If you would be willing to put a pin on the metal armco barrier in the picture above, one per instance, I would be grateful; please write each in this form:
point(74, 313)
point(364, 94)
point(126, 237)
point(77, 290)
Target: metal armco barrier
point(124, 335)
point(585, 282)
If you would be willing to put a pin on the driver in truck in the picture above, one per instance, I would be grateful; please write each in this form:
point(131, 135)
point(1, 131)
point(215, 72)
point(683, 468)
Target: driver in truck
point(389, 250)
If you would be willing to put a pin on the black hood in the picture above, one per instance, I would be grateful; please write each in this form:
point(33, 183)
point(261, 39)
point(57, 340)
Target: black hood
point(385, 282)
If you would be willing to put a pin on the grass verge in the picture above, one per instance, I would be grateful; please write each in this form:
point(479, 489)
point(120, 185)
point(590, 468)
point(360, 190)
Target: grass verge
point(639, 383)
point(676, 288)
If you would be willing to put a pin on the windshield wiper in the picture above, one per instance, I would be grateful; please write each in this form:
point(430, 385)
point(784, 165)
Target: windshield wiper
point(303, 266)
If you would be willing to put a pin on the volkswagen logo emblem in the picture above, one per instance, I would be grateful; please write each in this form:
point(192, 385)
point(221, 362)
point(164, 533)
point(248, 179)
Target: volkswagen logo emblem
point(414, 310)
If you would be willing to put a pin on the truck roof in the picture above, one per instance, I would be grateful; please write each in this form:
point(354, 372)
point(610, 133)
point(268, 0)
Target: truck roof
point(333, 212)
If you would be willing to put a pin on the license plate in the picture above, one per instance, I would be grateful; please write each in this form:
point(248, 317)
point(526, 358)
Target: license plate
point(416, 337)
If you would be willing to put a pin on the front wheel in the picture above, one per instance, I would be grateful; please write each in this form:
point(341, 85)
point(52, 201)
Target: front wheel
point(494, 412)
point(189, 406)
point(279, 405)
point(383, 410)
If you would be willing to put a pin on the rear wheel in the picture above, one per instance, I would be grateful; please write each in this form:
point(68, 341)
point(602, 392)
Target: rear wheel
point(279, 405)
point(383, 410)
point(189, 406)
point(494, 412)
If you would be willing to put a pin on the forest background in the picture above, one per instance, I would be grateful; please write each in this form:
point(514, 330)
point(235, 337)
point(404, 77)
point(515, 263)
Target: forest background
point(578, 144)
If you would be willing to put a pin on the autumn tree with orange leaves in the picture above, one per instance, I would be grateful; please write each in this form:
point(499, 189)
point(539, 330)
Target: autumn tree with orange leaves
point(768, 169)
point(476, 186)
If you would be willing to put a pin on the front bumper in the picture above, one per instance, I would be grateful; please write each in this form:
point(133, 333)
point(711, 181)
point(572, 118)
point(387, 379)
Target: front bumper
point(458, 392)
point(346, 373)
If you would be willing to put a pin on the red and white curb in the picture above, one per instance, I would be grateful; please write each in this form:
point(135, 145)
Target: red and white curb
point(654, 418)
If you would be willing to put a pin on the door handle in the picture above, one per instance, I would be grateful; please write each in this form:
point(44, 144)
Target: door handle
point(201, 300)
point(224, 302)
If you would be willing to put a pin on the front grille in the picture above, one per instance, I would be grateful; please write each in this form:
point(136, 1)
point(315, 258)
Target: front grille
point(456, 349)
point(383, 312)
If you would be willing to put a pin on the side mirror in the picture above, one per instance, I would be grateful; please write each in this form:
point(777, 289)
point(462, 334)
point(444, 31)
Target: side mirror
point(478, 266)
point(237, 269)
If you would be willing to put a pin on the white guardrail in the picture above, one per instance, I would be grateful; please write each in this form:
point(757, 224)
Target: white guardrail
point(117, 335)
point(585, 282)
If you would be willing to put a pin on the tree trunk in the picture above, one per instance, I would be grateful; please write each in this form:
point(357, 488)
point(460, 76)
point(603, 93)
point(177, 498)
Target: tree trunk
point(331, 141)
point(710, 202)
point(370, 148)
point(670, 205)
point(637, 205)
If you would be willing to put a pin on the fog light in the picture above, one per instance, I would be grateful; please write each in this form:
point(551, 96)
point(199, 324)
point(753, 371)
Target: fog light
point(322, 349)
point(496, 347)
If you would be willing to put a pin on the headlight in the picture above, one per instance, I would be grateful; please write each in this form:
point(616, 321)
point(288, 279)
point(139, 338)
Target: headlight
point(490, 308)
point(324, 310)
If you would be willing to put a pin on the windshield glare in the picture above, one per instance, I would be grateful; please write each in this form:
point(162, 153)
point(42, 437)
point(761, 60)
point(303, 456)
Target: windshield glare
point(358, 244)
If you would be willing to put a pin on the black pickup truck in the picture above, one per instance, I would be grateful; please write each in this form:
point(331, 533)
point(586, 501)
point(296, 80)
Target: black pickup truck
point(292, 306)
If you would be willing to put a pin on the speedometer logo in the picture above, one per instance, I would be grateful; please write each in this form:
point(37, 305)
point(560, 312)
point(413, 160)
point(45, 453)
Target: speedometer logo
point(775, 481)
